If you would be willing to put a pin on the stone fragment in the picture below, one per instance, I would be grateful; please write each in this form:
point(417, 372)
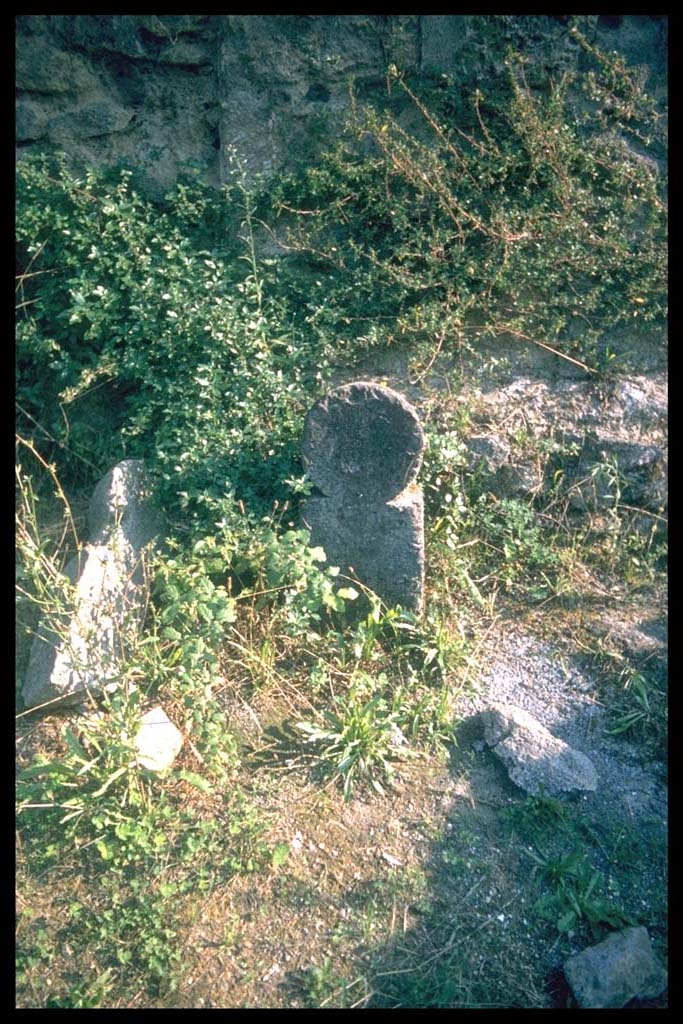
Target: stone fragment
point(488, 448)
point(535, 760)
point(362, 448)
point(80, 649)
point(158, 741)
point(621, 968)
point(518, 480)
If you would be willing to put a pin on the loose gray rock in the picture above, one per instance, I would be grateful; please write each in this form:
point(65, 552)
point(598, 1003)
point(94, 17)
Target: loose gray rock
point(518, 480)
point(488, 448)
point(79, 649)
point(362, 447)
point(621, 968)
point(535, 760)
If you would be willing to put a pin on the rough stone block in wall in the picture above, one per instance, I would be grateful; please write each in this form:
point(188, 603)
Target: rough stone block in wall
point(199, 83)
point(362, 448)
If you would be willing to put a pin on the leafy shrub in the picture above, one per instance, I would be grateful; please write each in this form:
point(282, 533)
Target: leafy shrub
point(204, 380)
point(536, 215)
point(287, 565)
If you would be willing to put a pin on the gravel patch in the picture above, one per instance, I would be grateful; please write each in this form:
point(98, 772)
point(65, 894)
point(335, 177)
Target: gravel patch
point(529, 674)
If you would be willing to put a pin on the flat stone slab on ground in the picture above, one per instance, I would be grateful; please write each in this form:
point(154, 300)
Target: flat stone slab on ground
point(615, 971)
point(536, 760)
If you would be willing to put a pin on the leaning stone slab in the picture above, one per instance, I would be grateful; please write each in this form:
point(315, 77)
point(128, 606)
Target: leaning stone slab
point(362, 448)
point(120, 511)
point(158, 741)
point(81, 649)
point(535, 760)
point(617, 970)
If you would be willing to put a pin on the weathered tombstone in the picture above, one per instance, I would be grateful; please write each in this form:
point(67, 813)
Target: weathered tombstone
point(362, 448)
point(81, 648)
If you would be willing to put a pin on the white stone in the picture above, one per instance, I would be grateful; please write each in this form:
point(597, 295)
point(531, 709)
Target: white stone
point(158, 741)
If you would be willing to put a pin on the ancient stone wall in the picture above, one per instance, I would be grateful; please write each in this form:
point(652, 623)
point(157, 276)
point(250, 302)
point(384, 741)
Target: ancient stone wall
point(161, 94)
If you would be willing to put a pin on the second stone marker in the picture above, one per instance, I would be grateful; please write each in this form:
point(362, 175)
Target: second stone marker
point(362, 448)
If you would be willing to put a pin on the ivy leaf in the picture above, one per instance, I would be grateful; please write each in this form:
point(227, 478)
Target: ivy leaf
point(280, 854)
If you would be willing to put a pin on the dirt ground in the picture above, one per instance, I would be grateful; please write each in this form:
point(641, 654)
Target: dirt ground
point(431, 892)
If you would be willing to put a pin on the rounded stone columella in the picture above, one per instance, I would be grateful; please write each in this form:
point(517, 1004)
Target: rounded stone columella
point(362, 440)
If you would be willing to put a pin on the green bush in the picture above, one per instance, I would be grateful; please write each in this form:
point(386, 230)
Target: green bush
point(202, 377)
point(522, 213)
point(527, 213)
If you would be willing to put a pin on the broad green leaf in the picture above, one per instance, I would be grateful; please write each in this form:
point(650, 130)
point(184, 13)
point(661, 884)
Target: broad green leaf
point(195, 780)
point(280, 854)
point(112, 778)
